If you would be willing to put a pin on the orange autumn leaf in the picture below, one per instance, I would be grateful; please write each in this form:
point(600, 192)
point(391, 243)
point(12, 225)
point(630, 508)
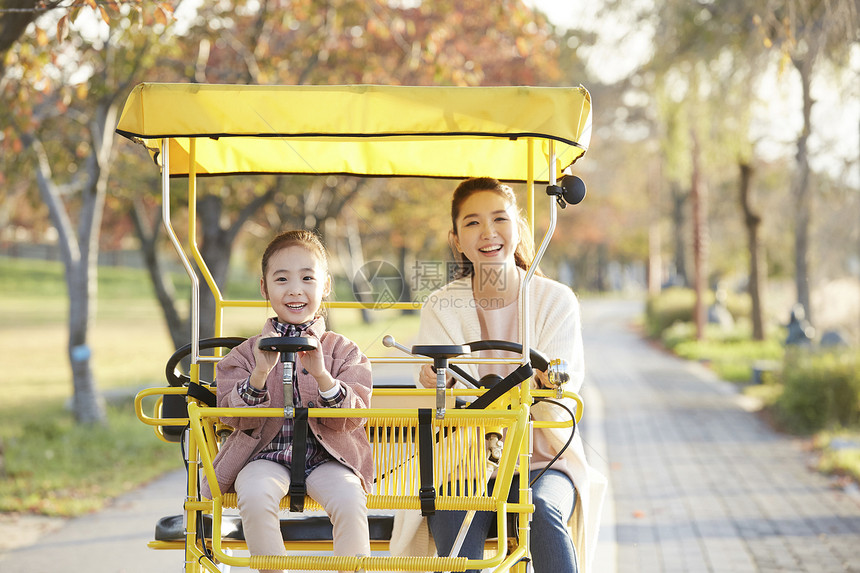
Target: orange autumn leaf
point(522, 47)
point(63, 28)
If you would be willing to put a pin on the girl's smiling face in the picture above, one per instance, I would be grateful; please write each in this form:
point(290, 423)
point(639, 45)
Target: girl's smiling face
point(486, 230)
point(295, 284)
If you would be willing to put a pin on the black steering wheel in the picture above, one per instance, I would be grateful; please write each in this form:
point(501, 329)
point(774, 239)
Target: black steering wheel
point(538, 359)
point(177, 378)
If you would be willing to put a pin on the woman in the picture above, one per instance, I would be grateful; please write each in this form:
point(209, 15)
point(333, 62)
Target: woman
point(492, 242)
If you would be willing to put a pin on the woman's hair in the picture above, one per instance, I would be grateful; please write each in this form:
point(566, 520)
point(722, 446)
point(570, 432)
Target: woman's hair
point(523, 254)
point(299, 238)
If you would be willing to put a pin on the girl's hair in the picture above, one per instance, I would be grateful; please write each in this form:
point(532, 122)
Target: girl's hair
point(523, 254)
point(299, 238)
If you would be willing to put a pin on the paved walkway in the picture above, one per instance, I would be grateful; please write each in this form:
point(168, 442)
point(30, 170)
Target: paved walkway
point(699, 484)
point(111, 541)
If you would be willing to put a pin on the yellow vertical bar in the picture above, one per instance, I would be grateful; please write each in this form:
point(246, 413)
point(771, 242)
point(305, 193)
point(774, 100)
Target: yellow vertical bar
point(192, 236)
point(456, 458)
point(525, 490)
point(390, 460)
point(408, 442)
point(191, 516)
point(530, 187)
point(525, 395)
point(406, 458)
point(471, 466)
point(482, 466)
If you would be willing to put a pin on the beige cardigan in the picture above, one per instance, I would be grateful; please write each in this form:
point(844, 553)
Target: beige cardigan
point(450, 316)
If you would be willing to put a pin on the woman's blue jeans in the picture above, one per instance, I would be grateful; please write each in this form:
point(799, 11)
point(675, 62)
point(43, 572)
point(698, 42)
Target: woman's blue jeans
point(551, 546)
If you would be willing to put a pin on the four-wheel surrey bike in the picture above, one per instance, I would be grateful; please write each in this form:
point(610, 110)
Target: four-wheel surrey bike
point(421, 443)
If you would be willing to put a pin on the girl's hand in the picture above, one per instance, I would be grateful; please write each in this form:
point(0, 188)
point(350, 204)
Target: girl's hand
point(312, 361)
point(264, 360)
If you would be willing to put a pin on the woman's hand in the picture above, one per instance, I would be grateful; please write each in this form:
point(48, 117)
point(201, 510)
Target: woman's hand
point(427, 377)
point(541, 380)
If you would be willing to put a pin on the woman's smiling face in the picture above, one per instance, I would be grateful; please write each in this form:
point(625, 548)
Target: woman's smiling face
point(295, 284)
point(487, 229)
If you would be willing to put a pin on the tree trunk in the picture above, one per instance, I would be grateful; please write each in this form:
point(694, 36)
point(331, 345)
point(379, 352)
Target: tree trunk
point(14, 24)
point(177, 327)
point(602, 267)
point(752, 221)
point(362, 289)
point(655, 247)
point(802, 192)
point(405, 283)
point(81, 279)
point(80, 254)
point(655, 260)
point(88, 404)
point(216, 249)
point(698, 200)
point(679, 204)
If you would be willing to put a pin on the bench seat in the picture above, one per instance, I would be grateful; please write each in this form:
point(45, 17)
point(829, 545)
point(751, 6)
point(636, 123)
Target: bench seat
point(306, 528)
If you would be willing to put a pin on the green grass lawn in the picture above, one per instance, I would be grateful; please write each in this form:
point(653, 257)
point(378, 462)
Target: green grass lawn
point(54, 466)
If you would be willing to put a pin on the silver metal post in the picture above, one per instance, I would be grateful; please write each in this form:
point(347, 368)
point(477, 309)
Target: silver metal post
point(189, 270)
point(441, 381)
point(289, 405)
point(524, 304)
point(461, 535)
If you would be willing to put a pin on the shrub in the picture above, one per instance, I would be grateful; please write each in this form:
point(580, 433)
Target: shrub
point(673, 305)
point(731, 354)
point(676, 305)
point(820, 390)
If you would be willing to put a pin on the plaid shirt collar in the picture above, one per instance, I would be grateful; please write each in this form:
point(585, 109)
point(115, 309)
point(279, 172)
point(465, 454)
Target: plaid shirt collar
point(314, 327)
point(280, 448)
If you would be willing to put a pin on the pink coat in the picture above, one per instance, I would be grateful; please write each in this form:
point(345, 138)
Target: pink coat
point(344, 438)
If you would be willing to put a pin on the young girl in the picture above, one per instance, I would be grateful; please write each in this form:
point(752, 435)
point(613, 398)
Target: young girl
point(491, 241)
point(256, 459)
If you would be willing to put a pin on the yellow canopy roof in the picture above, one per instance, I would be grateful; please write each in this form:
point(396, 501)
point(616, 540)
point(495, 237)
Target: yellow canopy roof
point(361, 129)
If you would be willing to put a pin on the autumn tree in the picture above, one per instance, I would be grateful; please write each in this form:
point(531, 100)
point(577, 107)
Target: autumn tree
point(705, 74)
point(805, 33)
point(15, 17)
point(62, 104)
